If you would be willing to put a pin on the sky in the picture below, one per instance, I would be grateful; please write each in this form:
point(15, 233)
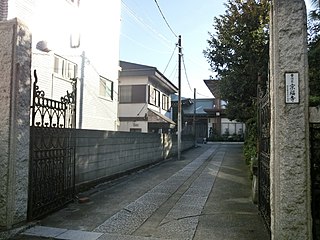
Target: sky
point(147, 39)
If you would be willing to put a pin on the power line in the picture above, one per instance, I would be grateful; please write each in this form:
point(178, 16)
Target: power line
point(204, 95)
point(142, 23)
point(165, 18)
point(174, 71)
point(170, 58)
point(143, 46)
point(185, 72)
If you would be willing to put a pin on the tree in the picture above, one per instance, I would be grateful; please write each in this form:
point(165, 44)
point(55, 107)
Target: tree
point(314, 54)
point(239, 52)
point(316, 3)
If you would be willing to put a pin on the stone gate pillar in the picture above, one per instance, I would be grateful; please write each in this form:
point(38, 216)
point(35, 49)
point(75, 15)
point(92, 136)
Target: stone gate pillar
point(289, 164)
point(15, 67)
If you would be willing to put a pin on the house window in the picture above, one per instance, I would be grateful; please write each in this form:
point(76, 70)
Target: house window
point(135, 130)
point(133, 94)
point(157, 102)
point(64, 68)
point(106, 88)
point(125, 94)
point(154, 96)
point(165, 102)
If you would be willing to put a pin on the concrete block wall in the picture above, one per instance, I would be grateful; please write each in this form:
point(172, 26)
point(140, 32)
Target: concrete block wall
point(103, 154)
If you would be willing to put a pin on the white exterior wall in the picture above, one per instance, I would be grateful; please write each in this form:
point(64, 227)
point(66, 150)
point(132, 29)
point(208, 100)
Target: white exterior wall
point(54, 21)
point(134, 80)
point(133, 109)
point(126, 126)
point(233, 126)
point(139, 109)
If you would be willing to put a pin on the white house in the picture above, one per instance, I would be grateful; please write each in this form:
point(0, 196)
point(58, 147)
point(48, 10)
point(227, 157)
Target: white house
point(75, 39)
point(144, 102)
point(217, 120)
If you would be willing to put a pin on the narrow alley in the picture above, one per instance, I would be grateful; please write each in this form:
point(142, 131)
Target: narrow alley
point(205, 195)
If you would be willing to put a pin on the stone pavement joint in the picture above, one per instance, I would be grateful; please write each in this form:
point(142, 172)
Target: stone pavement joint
point(205, 195)
point(182, 220)
point(126, 222)
point(60, 233)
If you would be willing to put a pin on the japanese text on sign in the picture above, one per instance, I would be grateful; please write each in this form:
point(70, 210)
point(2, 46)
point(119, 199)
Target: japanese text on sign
point(292, 88)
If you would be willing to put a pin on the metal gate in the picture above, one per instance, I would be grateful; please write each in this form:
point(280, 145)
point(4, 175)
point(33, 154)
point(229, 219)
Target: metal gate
point(52, 152)
point(315, 175)
point(264, 157)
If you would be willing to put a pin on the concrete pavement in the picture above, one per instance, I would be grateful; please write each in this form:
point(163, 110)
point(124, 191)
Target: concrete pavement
point(205, 195)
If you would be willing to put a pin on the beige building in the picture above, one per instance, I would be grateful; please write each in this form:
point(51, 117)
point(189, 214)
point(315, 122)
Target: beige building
point(144, 99)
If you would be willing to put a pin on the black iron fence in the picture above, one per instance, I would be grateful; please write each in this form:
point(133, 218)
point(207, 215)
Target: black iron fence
point(315, 175)
point(52, 152)
point(264, 158)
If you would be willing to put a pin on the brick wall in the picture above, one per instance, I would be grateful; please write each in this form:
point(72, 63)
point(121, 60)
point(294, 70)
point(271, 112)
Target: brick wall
point(104, 154)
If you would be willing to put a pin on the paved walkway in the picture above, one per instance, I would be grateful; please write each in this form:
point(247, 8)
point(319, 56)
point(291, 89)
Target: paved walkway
point(205, 195)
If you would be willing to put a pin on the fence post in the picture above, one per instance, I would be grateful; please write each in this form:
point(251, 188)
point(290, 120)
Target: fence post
point(289, 140)
point(15, 58)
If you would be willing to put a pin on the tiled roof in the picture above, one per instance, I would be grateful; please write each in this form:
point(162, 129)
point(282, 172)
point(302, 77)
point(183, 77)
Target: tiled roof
point(201, 106)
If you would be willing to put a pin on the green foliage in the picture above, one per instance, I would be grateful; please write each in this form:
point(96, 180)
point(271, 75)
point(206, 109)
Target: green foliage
point(314, 56)
point(238, 51)
point(314, 101)
point(314, 72)
point(250, 145)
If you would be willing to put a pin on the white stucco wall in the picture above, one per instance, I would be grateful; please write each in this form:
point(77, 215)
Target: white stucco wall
point(233, 126)
point(136, 110)
point(125, 126)
point(98, 24)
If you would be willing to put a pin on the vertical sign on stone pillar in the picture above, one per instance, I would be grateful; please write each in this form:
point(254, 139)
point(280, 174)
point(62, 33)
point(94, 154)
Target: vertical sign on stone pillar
point(292, 87)
point(289, 137)
point(15, 67)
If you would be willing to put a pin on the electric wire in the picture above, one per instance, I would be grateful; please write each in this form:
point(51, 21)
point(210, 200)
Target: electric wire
point(138, 20)
point(203, 95)
point(174, 50)
point(185, 72)
point(142, 23)
point(174, 71)
point(165, 19)
point(163, 39)
point(142, 45)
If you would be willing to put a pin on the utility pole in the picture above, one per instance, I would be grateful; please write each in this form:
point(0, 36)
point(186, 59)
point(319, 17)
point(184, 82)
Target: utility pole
point(179, 98)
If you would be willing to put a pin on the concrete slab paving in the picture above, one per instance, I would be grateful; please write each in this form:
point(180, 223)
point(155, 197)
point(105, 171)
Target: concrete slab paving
point(61, 233)
point(205, 195)
point(43, 231)
point(129, 220)
point(229, 212)
point(79, 235)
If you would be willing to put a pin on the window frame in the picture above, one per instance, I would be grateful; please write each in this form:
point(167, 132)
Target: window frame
point(108, 94)
point(64, 68)
point(135, 94)
point(165, 102)
point(154, 96)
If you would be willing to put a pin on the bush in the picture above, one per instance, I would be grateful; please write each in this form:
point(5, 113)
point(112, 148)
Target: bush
point(250, 142)
point(314, 101)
